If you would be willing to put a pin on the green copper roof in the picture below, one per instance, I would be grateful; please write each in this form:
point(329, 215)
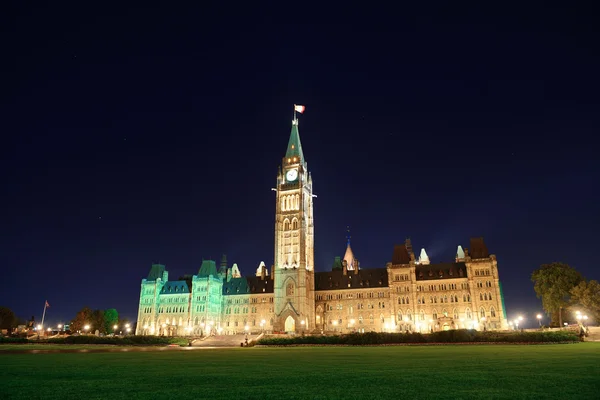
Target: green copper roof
point(208, 267)
point(294, 148)
point(156, 272)
point(337, 264)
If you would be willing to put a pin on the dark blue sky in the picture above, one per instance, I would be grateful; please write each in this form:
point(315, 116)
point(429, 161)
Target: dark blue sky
point(140, 135)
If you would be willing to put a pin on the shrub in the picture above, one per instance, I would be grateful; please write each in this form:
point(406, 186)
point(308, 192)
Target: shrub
point(451, 336)
point(8, 339)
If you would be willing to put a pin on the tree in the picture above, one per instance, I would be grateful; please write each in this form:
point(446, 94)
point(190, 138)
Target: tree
point(553, 284)
point(111, 318)
point(98, 321)
point(586, 297)
point(83, 318)
point(8, 320)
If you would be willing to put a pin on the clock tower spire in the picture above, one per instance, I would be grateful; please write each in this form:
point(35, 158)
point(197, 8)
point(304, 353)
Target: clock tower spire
point(294, 241)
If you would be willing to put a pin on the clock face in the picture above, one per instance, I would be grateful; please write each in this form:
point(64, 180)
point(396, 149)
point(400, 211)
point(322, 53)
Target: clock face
point(292, 174)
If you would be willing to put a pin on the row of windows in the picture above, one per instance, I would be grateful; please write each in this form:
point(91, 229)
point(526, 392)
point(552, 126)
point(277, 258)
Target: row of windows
point(245, 322)
point(253, 300)
point(243, 310)
point(408, 316)
point(171, 299)
point(402, 289)
point(359, 306)
point(482, 272)
point(453, 298)
point(289, 203)
point(488, 284)
point(401, 277)
point(341, 296)
point(172, 309)
point(442, 287)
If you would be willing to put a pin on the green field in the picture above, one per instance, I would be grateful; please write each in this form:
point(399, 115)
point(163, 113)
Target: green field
point(570, 371)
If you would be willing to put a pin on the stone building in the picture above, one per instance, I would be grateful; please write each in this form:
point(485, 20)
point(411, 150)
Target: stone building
point(408, 294)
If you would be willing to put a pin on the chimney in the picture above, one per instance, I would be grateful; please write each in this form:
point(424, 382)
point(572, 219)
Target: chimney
point(344, 268)
point(263, 272)
point(357, 267)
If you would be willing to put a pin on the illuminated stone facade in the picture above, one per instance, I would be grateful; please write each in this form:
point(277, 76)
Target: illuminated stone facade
point(408, 294)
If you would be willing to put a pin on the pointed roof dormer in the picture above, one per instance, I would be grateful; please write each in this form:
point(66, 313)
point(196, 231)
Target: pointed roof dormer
point(460, 254)
point(294, 147)
point(235, 271)
point(349, 256)
point(262, 268)
point(423, 257)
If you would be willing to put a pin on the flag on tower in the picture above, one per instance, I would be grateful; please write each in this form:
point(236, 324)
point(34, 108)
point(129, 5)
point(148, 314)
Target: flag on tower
point(47, 305)
point(299, 109)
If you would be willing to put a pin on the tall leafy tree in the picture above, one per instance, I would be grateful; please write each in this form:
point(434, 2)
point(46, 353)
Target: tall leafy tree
point(585, 297)
point(553, 284)
point(98, 321)
point(111, 318)
point(83, 318)
point(8, 320)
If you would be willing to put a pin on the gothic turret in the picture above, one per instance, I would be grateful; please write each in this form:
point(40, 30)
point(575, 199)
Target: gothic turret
point(349, 256)
point(262, 269)
point(423, 257)
point(460, 254)
point(223, 266)
point(235, 271)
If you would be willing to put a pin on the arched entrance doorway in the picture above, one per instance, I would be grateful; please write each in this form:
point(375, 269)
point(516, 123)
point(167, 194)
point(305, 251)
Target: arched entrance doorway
point(446, 327)
point(290, 324)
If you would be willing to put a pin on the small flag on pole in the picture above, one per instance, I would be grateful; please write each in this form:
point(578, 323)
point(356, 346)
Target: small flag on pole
point(47, 305)
point(299, 109)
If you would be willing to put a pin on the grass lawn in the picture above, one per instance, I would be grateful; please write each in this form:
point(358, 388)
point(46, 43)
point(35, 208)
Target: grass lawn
point(569, 371)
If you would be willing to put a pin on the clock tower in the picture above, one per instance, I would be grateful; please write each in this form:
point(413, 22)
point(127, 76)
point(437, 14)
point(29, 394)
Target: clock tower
point(294, 242)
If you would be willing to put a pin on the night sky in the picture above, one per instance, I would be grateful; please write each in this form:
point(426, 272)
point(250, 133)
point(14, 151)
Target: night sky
point(132, 136)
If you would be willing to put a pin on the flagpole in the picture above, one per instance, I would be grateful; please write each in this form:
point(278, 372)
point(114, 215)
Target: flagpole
point(44, 314)
point(294, 112)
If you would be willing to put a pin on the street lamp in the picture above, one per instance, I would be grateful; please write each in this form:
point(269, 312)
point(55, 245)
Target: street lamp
point(86, 328)
point(539, 318)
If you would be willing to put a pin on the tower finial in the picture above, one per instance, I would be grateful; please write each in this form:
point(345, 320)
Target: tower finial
point(348, 236)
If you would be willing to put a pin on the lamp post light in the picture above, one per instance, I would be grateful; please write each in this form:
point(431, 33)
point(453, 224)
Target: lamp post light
point(86, 328)
point(115, 327)
point(539, 318)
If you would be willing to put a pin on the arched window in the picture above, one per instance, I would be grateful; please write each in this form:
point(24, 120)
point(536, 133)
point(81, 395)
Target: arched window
point(295, 223)
point(409, 315)
point(492, 312)
point(407, 300)
point(434, 313)
point(286, 225)
point(297, 202)
point(290, 289)
point(400, 316)
point(489, 296)
point(422, 315)
point(482, 312)
point(468, 313)
point(455, 314)
point(283, 204)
